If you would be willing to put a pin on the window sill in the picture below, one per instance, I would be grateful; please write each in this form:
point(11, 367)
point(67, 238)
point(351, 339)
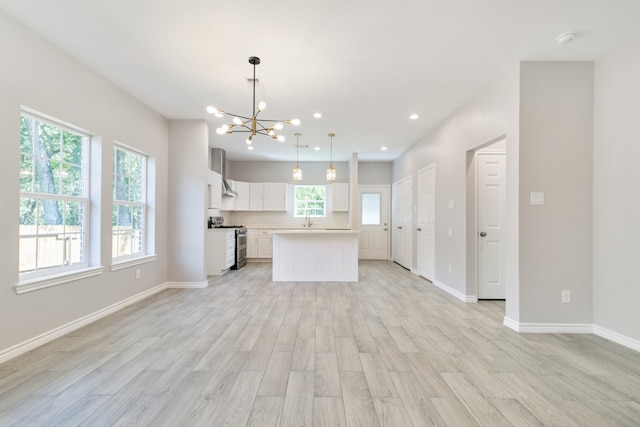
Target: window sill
point(31, 285)
point(119, 265)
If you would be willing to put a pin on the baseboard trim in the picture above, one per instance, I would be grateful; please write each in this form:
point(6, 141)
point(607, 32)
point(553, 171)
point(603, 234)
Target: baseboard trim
point(39, 340)
point(617, 338)
point(550, 328)
point(187, 285)
point(455, 293)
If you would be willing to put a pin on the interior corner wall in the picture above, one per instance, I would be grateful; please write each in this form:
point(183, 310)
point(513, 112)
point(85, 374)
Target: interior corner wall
point(491, 114)
point(189, 154)
point(616, 198)
point(556, 158)
point(70, 92)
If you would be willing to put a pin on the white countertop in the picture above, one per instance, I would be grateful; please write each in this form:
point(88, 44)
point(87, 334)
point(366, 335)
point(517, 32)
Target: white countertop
point(313, 231)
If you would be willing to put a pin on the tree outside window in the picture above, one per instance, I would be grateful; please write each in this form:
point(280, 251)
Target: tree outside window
point(53, 196)
point(129, 203)
point(310, 200)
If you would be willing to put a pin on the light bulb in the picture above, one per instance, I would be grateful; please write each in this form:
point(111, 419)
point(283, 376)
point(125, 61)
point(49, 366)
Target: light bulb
point(281, 138)
point(212, 110)
point(248, 141)
point(237, 121)
point(272, 133)
point(278, 126)
point(295, 122)
point(297, 173)
point(222, 130)
point(262, 105)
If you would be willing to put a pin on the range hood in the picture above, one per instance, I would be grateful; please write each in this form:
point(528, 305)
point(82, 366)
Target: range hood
point(219, 164)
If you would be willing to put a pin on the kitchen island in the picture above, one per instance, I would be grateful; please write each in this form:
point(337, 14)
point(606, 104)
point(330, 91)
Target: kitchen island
point(311, 255)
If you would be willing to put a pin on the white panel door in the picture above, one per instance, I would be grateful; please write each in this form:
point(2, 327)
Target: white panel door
point(491, 212)
point(426, 222)
point(373, 218)
point(402, 218)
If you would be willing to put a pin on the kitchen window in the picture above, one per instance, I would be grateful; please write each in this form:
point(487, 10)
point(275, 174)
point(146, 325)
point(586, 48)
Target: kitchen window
point(310, 200)
point(54, 198)
point(129, 215)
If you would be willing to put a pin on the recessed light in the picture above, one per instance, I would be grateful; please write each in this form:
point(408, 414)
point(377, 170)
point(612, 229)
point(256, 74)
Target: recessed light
point(384, 148)
point(316, 148)
point(317, 115)
point(250, 147)
point(414, 116)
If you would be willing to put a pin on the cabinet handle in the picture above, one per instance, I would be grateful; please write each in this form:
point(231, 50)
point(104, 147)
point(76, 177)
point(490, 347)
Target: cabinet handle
point(399, 228)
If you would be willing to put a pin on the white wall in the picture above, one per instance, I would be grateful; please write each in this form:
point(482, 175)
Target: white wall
point(489, 116)
point(616, 195)
point(37, 75)
point(556, 157)
point(375, 173)
point(189, 154)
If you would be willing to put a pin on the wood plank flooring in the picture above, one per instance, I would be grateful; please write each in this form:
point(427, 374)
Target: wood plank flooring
point(389, 350)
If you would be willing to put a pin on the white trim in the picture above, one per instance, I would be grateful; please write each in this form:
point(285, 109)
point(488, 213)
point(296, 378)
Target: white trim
point(453, 292)
point(549, 328)
point(187, 285)
point(39, 340)
point(616, 337)
point(132, 262)
point(54, 280)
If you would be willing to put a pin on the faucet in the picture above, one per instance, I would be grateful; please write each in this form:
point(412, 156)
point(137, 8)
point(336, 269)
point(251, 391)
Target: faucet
point(308, 221)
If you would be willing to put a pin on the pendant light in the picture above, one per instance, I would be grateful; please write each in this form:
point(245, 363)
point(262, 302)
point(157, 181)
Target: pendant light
point(331, 172)
point(297, 172)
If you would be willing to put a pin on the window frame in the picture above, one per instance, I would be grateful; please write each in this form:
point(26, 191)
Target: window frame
point(123, 261)
point(49, 276)
point(295, 201)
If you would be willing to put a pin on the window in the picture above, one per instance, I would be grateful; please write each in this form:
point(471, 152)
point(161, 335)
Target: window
point(129, 204)
point(370, 203)
point(54, 199)
point(310, 200)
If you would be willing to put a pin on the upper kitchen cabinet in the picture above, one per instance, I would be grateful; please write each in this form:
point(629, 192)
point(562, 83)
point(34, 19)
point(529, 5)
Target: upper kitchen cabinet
point(215, 185)
point(244, 193)
point(268, 196)
point(340, 199)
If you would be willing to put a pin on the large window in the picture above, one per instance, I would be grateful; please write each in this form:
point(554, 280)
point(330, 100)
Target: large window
point(54, 200)
point(310, 200)
point(129, 204)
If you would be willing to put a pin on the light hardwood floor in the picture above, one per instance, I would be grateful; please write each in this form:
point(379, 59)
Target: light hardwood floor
point(389, 350)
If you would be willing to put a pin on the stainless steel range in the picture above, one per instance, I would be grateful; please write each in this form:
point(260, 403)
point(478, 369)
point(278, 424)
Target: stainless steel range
point(241, 240)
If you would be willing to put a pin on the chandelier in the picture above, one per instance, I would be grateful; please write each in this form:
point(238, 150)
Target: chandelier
point(297, 172)
point(331, 172)
point(251, 124)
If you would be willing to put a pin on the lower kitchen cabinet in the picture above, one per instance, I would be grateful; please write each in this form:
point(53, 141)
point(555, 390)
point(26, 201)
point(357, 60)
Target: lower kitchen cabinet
point(252, 243)
point(220, 250)
point(265, 243)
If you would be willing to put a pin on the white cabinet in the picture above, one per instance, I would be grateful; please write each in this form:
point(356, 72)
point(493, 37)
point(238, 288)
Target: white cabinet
point(340, 198)
point(242, 199)
point(269, 196)
point(220, 249)
point(275, 196)
point(256, 193)
point(215, 188)
point(259, 243)
point(252, 243)
point(265, 243)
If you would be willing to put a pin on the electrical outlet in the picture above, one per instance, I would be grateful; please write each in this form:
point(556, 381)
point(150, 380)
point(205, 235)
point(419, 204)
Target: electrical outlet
point(566, 296)
point(137, 274)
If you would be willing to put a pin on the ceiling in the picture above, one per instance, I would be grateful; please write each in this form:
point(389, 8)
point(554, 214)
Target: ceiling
point(366, 65)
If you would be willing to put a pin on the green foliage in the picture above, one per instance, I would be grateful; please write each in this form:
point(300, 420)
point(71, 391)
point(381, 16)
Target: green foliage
point(310, 200)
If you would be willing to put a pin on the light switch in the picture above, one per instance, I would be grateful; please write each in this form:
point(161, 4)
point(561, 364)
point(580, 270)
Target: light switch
point(537, 198)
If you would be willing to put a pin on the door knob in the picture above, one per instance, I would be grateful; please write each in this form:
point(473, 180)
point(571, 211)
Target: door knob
point(482, 234)
point(419, 229)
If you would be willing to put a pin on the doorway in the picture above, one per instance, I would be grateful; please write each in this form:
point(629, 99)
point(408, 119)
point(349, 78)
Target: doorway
point(425, 221)
point(373, 222)
point(489, 213)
